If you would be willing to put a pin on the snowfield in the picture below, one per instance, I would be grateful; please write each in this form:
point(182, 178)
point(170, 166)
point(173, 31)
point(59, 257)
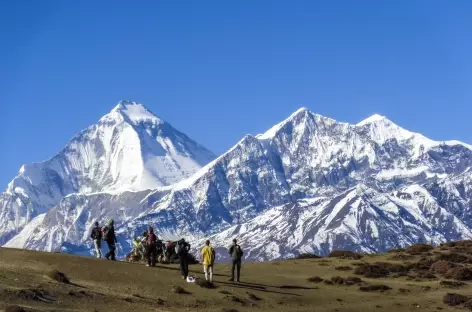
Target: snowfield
point(308, 184)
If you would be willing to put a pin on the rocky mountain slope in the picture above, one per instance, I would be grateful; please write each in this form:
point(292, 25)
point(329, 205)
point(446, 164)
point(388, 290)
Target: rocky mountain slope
point(309, 184)
point(128, 149)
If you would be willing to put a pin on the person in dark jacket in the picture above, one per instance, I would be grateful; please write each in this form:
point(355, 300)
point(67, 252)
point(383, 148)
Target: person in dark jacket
point(182, 251)
point(151, 244)
point(110, 237)
point(97, 239)
point(236, 253)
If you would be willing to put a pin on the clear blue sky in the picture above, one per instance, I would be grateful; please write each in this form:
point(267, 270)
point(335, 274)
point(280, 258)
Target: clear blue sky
point(218, 70)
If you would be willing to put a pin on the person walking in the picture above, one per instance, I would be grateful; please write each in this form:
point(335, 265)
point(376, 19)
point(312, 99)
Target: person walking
point(151, 242)
point(182, 251)
point(208, 260)
point(236, 253)
point(110, 237)
point(97, 239)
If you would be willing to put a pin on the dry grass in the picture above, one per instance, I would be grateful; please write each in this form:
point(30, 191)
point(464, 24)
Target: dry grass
point(100, 285)
point(315, 279)
point(455, 299)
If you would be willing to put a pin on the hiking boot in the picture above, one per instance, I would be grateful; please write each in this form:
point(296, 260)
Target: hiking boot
point(231, 280)
point(108, 257)
point(147, 265)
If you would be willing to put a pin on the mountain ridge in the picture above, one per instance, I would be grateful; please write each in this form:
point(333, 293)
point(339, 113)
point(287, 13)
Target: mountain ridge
point(127, 149)
point(304, 157)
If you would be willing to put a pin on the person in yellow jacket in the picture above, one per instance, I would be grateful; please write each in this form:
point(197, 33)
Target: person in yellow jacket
point(208, 260)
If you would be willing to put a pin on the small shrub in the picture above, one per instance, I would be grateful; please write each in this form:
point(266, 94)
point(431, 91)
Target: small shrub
point(338, 280)
point(224, 292)
point(392, 267)
point(371, 271)
point(395, 250)
point(58, 277)
point(441, 266)
point(328, 282)
point(403, 290)
point(352, 280)
point(236, 299)
point(454, 299)
point(253, 297)
point(315, 279)
point(459, 273)
point(452, 257)
point(229, 310)
point(343, 268)
point(179, 290)
point(380, 288)
point(14, 308)
point(419, 248)
point(468, 304)
point(452, 284)
point(345, 254)
point(307, 256)
point(461, 243)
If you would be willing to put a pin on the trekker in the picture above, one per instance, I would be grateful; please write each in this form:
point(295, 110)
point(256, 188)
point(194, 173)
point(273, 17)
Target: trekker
point(97, 239)
point(151, 241)
point(236, 255)
point(182, 251)
point(208, 260)
point(110, 237)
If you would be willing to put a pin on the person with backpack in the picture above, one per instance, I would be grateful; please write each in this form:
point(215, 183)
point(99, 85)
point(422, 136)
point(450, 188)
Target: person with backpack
point(182, 251)
point(151, 247)
point(236, 253)
point(208, 260)
point(97, 239)
point(110, 237)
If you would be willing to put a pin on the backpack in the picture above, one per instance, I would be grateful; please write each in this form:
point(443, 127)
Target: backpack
point(240, 251)
point(97, 233)
point(182, 249)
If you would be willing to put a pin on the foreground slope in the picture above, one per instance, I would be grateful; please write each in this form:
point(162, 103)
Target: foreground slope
point(331, 185)
point(99, 285)
point(130, 148)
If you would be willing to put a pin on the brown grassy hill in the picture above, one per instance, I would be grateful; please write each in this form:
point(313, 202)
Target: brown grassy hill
point(403, 280)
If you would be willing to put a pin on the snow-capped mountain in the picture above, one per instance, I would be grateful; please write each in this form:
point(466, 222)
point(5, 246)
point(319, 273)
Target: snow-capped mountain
point(309, 184)
point(128, 149)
